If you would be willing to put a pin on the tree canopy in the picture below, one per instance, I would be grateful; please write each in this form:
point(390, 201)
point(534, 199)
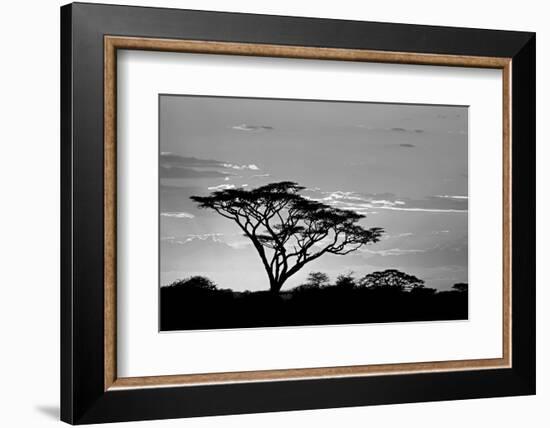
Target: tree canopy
point(317, 279)
point(393, 279)
point(287, 229)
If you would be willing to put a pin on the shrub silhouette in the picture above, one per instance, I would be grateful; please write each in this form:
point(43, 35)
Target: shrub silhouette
point(461, 286)
point(314, 281)
point(288, 230)
point(345, 281)
point(317, 279)
point(195, 283)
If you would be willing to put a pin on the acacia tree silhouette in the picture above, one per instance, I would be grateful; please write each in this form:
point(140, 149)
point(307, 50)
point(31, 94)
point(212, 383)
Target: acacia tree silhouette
point(288, 230)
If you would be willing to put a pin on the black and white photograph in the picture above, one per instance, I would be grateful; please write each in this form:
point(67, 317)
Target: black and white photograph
point(288, 212)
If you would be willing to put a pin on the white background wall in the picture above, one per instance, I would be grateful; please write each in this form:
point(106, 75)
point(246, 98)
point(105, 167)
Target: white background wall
point(29, 214)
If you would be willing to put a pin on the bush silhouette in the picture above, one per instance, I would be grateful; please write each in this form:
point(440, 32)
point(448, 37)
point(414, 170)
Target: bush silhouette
point(195, 283)
point(461, 286)
point(345, 281)
point(317, 279)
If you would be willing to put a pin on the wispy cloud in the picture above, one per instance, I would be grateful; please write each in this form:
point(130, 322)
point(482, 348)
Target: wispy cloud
point(370, 203)
point(182, 240)
point(233, 240)
point(166, 171)
point(393, 129)
point(435, 253)
point(172, 159)
point(176, 166)
point(402, 130)
point(429, 210)
point(401, 235)
point(177, 215)
point(241, 167)
point(451, 197)
point(391, 251)
point(340, 195)
point(239, 245)
point(222, 187)
point(252, 128)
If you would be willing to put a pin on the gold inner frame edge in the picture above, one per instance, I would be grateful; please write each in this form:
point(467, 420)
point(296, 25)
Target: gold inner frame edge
point(113, 43)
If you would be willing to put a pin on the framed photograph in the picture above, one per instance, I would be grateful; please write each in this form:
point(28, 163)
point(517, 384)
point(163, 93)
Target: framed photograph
point(266, 213)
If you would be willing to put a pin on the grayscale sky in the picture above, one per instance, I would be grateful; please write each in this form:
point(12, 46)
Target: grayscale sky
point(404, 166)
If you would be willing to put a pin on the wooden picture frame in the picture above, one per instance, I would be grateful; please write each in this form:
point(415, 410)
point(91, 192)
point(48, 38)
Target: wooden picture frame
point(91, 390)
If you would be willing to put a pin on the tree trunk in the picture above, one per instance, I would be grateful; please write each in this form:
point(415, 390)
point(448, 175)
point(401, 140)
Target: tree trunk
point(275, 286)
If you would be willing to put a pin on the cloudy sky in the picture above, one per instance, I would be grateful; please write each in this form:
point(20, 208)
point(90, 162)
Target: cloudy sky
point(404, 166)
